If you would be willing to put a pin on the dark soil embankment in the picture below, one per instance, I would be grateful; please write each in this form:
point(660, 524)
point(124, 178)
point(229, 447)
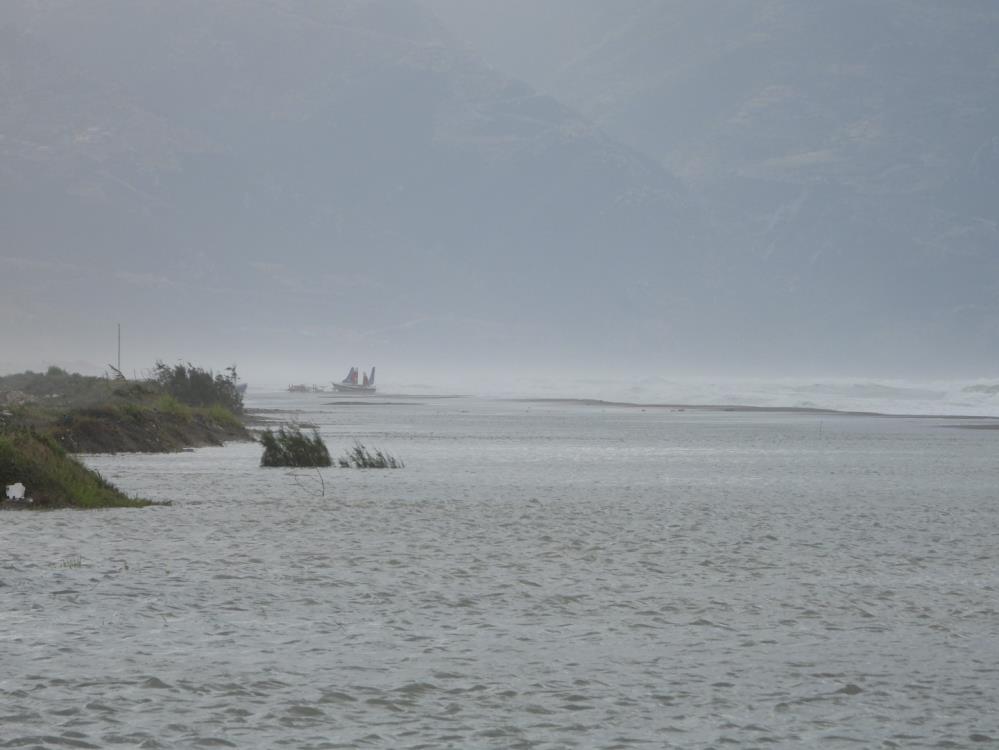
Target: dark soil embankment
point(184, 407)
point(115, 430)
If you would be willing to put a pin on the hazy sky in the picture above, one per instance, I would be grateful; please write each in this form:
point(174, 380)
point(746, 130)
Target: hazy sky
point(501, 189)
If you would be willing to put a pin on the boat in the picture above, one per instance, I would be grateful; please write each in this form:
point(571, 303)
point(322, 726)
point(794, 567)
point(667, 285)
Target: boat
point(350, 385)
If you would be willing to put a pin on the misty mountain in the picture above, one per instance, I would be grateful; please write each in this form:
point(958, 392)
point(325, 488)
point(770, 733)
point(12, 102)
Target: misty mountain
point(716, 185)
point(845, 152)
point(341, 172)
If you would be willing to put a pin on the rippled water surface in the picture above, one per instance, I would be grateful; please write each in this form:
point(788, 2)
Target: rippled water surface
point(537, 576)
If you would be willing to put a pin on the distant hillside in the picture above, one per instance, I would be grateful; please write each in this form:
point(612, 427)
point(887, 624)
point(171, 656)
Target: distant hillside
point(847, 152)
point(257, 168)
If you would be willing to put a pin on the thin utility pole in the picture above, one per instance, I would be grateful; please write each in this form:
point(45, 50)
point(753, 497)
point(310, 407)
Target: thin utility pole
point(119, 347)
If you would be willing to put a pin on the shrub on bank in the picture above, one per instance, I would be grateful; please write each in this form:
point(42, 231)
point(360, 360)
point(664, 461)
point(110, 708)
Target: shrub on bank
point(195, 386)
point(290, 447)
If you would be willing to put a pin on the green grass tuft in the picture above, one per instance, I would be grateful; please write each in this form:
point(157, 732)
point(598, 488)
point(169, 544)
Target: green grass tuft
point(223, 417)
point(170, 405)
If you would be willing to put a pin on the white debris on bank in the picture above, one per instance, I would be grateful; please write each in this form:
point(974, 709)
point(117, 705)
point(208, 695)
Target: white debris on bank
point(15, 493)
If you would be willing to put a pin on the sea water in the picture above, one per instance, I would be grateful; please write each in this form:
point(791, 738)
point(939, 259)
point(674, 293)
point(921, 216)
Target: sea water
point(537, 576)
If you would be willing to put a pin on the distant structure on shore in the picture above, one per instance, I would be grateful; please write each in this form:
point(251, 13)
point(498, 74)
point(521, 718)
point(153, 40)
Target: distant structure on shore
point(303, 388)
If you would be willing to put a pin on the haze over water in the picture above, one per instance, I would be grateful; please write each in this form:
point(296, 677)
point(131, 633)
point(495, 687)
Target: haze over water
point(728, 188)
point(538, 575)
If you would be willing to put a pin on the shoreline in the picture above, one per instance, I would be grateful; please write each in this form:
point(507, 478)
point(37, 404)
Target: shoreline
point(745, 408)
point(46, 418)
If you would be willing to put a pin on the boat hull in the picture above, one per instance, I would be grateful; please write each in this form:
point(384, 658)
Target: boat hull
point(351, 388)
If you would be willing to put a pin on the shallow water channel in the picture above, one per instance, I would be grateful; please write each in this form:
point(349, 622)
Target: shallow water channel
point(537, 576)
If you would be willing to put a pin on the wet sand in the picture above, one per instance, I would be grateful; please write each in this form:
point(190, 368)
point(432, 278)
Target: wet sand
point(742, 408)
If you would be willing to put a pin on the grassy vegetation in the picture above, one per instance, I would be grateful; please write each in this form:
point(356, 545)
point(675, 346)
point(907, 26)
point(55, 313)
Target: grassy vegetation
point(290, 447)
point(54, 389)
point(54, 479)
point(168, 404)
point(45, 415)
point(222, 416)
point(359, 457)
point(98, 415)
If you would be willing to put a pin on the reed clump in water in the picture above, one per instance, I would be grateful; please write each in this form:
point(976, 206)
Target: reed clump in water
point(291, 447)
point(360, 457)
